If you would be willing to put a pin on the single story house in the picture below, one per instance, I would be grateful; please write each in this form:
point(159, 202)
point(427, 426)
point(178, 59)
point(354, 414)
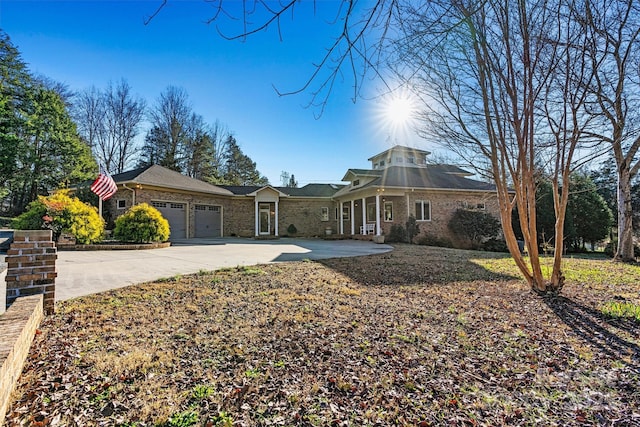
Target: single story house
point(400, 183)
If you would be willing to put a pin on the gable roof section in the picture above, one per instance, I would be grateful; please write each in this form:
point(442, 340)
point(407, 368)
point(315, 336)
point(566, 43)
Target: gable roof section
point(159, 176)
point(355, 173)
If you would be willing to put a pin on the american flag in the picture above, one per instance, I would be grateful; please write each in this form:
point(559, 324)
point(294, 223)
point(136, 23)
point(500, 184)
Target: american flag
point(104, 186)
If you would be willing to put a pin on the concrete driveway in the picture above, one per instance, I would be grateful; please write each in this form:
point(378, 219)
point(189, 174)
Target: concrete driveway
point(87, 272)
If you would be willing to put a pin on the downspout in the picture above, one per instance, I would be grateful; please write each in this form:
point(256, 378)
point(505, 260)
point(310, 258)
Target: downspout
point(133, 190)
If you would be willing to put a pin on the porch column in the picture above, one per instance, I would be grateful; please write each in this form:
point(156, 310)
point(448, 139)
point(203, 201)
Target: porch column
point(352, 217)
point(364, 216)
point(341, 219)
point(377, 214)
point(276, 218)
point(256, 216)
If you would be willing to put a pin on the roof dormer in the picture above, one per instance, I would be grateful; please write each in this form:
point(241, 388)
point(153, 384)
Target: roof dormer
point(399, 156)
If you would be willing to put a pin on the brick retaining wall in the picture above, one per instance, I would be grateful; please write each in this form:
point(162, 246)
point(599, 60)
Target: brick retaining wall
point(31, 267)
point(18, 325)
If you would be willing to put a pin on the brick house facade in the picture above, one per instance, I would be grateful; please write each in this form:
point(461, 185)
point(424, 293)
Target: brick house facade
point(399, 184)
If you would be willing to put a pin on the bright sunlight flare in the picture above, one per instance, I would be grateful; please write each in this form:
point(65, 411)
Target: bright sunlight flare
point(396, 114)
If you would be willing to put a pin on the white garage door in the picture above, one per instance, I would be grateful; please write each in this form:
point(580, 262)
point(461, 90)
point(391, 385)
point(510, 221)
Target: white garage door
point(208, 221)
point(176, 214)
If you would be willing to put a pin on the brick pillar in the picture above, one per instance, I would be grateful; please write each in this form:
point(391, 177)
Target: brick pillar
point(31, 267)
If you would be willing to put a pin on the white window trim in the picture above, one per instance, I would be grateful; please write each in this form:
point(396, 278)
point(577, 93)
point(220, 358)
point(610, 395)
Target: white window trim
point(384, 211)
point(423, 211)
point(346, 208)
point(324, 214)
point(124, 201)
point(371, 209)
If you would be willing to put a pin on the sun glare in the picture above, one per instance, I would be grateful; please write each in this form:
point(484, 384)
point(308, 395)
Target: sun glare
point(399, 111)
point(396, 115)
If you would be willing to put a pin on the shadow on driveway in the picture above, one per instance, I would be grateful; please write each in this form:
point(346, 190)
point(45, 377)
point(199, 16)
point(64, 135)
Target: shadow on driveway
point(84, 273)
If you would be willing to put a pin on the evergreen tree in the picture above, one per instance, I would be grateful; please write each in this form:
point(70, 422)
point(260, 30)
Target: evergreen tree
point(588, 218)
point(239, 169)
point(39, 145)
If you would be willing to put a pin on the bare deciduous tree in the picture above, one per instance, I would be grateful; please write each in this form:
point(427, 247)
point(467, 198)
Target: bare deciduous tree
point(109, 122)
point(613, 29)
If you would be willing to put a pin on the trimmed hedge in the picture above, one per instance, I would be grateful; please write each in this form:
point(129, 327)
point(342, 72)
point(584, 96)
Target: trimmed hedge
point(142, 224)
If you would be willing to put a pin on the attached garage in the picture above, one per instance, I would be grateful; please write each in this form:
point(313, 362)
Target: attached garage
point(208, 221)
point(176, 214)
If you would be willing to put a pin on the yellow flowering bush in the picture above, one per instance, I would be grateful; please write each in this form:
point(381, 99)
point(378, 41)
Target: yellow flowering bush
point(62, 213)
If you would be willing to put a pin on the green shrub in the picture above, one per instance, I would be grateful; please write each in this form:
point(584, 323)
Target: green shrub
point(473, 226)
point(428, 240)
point(62, 214)
point(292, 229)
point(495, 245)
point(142, 224)
point(413, 228)
point(397, 234)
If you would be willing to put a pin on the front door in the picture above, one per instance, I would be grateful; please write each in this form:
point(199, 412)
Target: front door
point(265, 219)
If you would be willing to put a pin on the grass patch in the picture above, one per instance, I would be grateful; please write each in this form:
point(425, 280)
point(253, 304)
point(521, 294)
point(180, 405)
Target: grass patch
point(617, 310)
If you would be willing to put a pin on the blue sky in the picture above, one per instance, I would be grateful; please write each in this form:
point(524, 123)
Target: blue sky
point(83, 43)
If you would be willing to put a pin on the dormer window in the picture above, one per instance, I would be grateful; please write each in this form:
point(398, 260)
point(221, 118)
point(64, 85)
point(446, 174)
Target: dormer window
point(381, 163)
point(411, 159)
point(356, 182)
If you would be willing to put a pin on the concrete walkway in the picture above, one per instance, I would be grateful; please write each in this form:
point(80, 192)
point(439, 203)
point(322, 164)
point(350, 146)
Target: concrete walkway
point(87, 272)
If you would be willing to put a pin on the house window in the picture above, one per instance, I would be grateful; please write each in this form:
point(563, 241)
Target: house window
point(423, 210)
point(356, 182)
point(324, 214)
point(346, 215)
point(121, 204)
point(371, 212)
point(388, 211)
point(381, 163)
point(399, 159)
point(480, 206)
point(411, 160)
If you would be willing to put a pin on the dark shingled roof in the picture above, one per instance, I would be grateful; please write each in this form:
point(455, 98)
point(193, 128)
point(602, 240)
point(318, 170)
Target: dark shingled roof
point(309, 190)
point(431, 177)
point(440, 177)
point(159, 176)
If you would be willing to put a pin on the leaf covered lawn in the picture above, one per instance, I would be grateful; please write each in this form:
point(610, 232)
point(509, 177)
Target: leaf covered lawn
point(419, 336)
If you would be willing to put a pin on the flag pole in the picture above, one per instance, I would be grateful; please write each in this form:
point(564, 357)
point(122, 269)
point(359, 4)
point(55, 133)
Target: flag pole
point(100, 207)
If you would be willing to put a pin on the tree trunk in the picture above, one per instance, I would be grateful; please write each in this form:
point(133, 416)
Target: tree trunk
point(625, 216)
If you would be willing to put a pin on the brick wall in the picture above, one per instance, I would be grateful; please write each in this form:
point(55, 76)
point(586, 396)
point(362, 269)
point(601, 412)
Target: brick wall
point(192, 199)
point(239, 218)
point(306, 215)
point(18, 325)
point(443, 205)
point(31, 267)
